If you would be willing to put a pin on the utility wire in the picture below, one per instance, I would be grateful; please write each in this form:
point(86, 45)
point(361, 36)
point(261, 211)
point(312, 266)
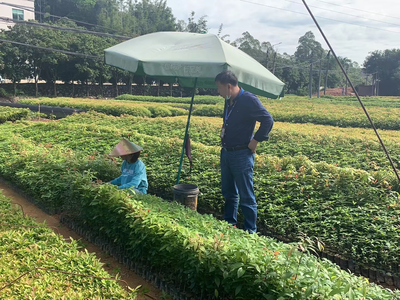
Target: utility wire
point(306, 65)
point(16, 5)
point(352, 86)
point(343, 13)
point(353, 8)
point(54, 16)
point(67, 29)
point(307, 68)
point(335, 20)
point(51, 49)
point(98, 57)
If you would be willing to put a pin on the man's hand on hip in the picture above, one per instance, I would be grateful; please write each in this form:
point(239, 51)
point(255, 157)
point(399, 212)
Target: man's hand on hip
point(253, 145)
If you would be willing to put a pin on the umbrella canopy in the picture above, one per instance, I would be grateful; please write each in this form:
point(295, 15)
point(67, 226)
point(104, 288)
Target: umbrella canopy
point(194, 60)
point(184, 56)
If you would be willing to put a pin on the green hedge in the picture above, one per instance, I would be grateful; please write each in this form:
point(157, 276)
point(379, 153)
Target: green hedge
point(25, 245)
point(13, 114)
point(110, 107)
point(287, 110)
point(206, 257)
point(347, 100)
point(187, 100)
point(316, 112)
point(367, 101)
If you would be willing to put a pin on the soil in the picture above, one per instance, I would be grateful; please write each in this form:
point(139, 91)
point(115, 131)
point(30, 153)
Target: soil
point(339, 92)
point(40, 120)
point(6, 100)
point(110, 264)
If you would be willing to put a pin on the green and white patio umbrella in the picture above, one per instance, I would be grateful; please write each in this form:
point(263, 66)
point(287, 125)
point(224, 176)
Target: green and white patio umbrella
point(193, 60)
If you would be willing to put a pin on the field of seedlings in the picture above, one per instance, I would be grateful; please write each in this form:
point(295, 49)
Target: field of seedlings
point(44, 266)
point(322, 183)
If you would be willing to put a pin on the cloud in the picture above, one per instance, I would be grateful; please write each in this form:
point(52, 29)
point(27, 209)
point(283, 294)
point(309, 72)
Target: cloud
point(276, 21)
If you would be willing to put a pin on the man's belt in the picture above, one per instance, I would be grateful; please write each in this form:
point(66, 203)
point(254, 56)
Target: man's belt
point(235, 148)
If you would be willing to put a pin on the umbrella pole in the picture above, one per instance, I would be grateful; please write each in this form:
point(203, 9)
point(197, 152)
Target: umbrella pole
point(186, 132)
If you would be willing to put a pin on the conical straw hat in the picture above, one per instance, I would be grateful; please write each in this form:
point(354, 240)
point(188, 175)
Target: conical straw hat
point(125, 147)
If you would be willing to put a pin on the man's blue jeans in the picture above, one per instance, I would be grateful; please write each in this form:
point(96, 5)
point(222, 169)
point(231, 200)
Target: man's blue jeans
point(237, 181)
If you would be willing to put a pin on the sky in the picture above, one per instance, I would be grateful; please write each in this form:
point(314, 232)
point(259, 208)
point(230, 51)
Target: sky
point(285, 21)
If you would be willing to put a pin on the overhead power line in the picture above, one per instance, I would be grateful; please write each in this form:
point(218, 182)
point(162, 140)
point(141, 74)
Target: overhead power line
point(335, 20)
point(306, 67)
point(51, 49)
point(299, 66)
point(67, 29)
point(343, 13)
point(99, 57)
point(16, 5)
point(357, 9)
point(54, 16)
point(352, 86)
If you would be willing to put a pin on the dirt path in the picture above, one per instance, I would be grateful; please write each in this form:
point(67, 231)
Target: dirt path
point(110, 264)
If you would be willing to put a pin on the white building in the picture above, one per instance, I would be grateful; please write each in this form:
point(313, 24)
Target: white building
point(21, 10)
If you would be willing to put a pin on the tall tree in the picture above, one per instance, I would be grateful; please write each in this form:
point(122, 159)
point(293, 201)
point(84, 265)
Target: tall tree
point(14, 63)
point(252, 46)
point(52, 60)
point(74, 9)
point(88, 70)
point(128, 17)
point(152, 16)
point(308, 49)
point(112, 19)
point(225, 36)
point(386, 64)
point(31, 35)
point(199, 26)
point(14, 59)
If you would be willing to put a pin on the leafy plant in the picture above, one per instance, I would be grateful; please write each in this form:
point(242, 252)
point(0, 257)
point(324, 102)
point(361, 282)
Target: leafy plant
point(115, 108)
point(206, 256)
point(353, 212)
point(29, 246)
point(341, 112)
point(13, 114)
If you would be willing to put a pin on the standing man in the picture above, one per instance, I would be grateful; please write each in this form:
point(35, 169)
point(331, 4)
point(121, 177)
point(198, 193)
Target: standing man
point(242, 110)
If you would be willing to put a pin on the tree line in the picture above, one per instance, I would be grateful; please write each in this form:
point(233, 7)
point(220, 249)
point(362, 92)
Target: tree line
point(134, 18)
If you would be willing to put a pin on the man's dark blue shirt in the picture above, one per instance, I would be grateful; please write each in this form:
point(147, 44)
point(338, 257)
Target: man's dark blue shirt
point(240, 119)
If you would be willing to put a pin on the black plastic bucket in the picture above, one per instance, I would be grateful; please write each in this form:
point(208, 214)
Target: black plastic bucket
point(187, 194)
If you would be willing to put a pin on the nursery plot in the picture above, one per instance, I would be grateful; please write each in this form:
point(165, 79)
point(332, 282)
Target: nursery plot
point(32, 248)
point(204, 256)
point(354, 212)
point(344, 147)
point(301, 110)
point(13, 114)
point(114, 108)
